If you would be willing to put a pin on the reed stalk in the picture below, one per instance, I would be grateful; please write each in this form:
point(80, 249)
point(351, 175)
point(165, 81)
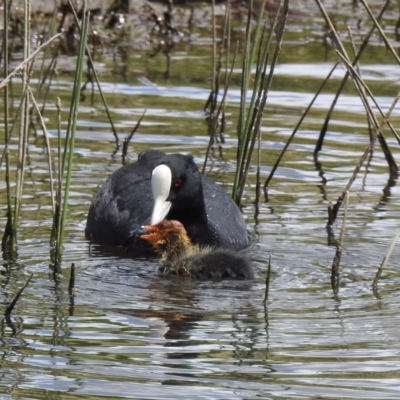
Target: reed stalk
point(289, 141)
point(338, 255)
point(249, 56)
point(343, 54)
point(381, 33)
point(57, 213)
point(71, 285)
point(26, 61)
point(42, 76)
point(6, 20)
point(125, 143)
point(362, 88)
point(71, 291)
point(47, 147)
point(42, 79)
point(10, 131)
point(364, 156)
point(212, 102)
point(260, 105)
point(51, 67)
point(250, 123)
point(384, 261)
point(363, 46)
point(96, 77)
point(267, 280)
point(23, 129)
point(246, 71)
point(215, 84)
point(10, 308)
point(258, 168)
point(9, 223)
point(358, 69)
point(225, 45)
point(70, 136)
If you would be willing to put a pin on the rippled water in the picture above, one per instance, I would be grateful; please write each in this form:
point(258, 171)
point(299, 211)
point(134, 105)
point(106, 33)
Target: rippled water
point(127, 333)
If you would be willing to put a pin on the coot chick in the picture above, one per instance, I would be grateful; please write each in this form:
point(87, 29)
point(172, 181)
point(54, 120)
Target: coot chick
point(180, 257)
point(125, 202)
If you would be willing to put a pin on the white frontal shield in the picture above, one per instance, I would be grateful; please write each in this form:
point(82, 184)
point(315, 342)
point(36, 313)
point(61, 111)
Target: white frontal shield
point(161, 180)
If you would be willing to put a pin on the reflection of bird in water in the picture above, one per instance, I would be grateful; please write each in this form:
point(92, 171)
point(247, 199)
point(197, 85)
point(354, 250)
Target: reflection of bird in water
point(160, 186)
point(180, 257)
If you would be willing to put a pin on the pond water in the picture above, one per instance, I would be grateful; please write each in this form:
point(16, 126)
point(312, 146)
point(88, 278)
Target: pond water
point(128, 333)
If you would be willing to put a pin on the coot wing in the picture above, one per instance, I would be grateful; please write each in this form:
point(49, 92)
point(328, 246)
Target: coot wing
point(124, 202)
point(224, 217)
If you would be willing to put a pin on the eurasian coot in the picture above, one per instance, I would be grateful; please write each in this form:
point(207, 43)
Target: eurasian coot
point(125, 202)
point(180, 257)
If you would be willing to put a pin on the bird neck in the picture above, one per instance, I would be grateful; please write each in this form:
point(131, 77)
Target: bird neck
point(175, 247)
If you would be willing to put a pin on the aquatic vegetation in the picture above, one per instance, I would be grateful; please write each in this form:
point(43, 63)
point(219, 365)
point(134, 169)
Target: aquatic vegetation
point(147, 72)
point(162, 31)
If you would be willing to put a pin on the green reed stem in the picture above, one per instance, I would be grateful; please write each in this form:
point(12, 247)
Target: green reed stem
point(57, 214)
point(7, 80)
point(8, 229)
point(252, 132)
point(70, 139)
point(6, 19)
point(210, 105)
point(249, 56)
point(212, 102)
point(42, 75)
point(246, 71)
point(264, 86)
point(213, 62)
point(23, 131)
point(252, 124)
point(244, 124)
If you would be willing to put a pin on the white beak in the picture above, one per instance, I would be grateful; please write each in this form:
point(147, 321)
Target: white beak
point(161, 180)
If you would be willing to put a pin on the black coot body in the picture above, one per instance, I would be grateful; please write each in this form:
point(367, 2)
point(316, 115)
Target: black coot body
point(216, 265)
point(125, 202)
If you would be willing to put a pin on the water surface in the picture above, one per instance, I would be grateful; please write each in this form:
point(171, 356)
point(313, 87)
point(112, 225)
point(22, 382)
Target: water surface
point(128, 333)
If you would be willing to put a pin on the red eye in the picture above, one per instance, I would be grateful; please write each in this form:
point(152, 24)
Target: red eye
point(178, 183)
